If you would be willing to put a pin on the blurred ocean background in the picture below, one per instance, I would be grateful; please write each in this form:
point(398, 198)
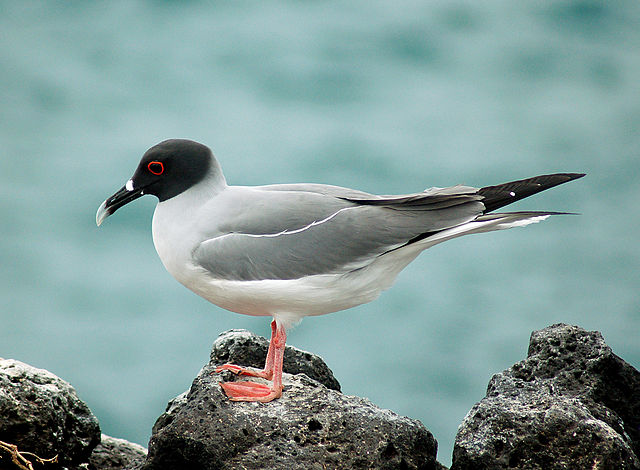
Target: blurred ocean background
point(387, 97)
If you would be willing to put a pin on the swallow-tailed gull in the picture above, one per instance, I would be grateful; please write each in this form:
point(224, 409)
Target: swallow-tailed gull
point(293, 250)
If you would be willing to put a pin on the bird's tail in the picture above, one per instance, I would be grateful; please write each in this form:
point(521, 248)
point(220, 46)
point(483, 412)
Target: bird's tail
point(486, 223)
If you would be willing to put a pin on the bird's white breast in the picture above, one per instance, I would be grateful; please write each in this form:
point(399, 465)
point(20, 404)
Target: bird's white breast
point(176, 234)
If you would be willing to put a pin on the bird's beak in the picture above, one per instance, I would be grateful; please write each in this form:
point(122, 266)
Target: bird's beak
point(125, 195)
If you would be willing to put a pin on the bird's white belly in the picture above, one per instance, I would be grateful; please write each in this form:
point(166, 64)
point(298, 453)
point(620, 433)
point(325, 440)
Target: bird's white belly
point(290, 300)
point(311, 295)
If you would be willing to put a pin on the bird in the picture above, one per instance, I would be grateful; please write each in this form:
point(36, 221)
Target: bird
point(288, 251)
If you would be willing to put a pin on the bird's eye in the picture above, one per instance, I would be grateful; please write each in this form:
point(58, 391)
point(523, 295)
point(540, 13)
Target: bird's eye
point(157, 168)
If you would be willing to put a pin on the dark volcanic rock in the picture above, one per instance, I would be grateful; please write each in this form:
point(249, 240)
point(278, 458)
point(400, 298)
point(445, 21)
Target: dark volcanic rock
point(41, 413)
point(248, 349)
point(310, 427)
point(572, 404)
point(117, 454)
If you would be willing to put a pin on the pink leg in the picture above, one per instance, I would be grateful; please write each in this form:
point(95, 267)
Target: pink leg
point(251, 391)
point(268, 365)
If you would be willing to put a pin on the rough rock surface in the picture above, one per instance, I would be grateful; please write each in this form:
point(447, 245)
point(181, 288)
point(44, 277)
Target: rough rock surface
point(117, 454)
point(310, 427)
point(42, 414)
point(572, 404)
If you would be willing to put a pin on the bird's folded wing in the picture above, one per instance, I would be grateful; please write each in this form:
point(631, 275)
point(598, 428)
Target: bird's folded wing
point(315, 233)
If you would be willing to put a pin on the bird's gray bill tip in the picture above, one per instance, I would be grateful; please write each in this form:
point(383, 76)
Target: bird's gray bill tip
point(102, 213)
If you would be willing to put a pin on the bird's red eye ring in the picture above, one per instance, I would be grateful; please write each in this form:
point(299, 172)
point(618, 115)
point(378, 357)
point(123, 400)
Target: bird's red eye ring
point(157, 168)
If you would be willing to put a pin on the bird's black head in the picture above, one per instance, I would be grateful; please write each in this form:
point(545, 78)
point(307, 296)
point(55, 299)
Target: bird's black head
point(171, 167)
point(165, 170)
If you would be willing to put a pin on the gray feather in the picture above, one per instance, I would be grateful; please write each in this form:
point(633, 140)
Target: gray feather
point(302, 230)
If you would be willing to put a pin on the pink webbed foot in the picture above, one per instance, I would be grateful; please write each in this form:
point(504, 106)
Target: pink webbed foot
point(250, 391)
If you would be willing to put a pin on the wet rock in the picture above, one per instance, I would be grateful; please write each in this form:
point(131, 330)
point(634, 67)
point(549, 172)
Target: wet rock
point(310, 427)
point(571, 404)
point(42, 414)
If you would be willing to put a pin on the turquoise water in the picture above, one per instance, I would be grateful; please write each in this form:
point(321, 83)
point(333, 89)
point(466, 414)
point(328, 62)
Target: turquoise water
point(379, 96)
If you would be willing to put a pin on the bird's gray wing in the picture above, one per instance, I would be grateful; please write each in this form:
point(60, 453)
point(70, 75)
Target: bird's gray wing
point(288, 233)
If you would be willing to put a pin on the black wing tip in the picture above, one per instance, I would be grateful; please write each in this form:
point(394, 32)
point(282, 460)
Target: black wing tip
point(504, 194)
point(557, 178)
point(570, 176)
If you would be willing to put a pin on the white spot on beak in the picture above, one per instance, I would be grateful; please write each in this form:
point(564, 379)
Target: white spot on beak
point(129, 185)
point(512, 194)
